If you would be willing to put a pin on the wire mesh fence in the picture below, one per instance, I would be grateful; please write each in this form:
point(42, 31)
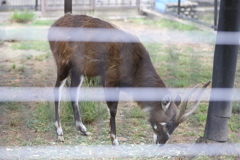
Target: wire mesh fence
point(201, 11)
point(56, 151)
point(9, 5)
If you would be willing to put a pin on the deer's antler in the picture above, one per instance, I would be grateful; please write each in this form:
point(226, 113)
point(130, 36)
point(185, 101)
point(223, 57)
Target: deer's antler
point(182, 116)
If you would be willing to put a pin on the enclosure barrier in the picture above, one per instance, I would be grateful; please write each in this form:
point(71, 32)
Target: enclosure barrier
point(96, 35)
point(30, 94)
point(127, 94)
point(122, 151)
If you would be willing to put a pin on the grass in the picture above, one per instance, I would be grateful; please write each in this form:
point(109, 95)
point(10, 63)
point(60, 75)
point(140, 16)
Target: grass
point(34, 45)
point(40, 22)
point(135, 112)
point(42, 57)
point(181, 66)
point(164, 23)
point(22, 16)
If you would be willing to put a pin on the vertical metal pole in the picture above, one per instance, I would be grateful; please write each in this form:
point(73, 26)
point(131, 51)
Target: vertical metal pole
point(179, 8)
point(215, 14)
point(138, 4)
point(43, 7)
point(224, 67)
point(93, 5)
point(36, 5)
point(67, 6)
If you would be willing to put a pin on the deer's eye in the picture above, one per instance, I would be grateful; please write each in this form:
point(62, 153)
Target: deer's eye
point(169, 126)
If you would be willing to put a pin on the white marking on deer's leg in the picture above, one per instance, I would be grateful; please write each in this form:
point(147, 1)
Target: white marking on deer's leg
point(154, 138)
point(114, 140)
point(81, 126)
point(168, 134)
point(60, 90)
point(78, 121)
point(155, 126)
point(78, 88)
point(59, 128)
point(58, 123)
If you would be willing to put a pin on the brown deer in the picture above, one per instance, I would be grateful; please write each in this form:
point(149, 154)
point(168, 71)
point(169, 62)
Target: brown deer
point(123, 63)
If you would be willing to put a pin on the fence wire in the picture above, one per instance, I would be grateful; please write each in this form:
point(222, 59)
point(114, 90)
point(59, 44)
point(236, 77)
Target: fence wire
point(116, 35)
point(122, 151)
point(127, 94)
point(29, 94)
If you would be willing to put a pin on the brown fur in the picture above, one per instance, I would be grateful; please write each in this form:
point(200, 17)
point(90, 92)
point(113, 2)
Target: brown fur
point(117, 63)
point(120, 64)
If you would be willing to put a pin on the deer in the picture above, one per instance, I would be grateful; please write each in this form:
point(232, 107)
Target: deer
point(120, 64)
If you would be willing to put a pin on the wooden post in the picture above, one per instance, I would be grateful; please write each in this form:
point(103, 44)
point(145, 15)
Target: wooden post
point(67, 6)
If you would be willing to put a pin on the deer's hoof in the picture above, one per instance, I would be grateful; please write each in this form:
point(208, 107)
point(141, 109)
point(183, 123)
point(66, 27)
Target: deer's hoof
point(87, 133)
point(115, 142)
point(61, 138)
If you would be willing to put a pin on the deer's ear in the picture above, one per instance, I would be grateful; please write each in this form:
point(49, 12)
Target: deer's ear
point(166, 102)
point(178, 100)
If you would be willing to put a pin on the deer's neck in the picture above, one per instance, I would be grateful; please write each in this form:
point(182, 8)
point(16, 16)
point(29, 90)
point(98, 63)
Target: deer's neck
point(147, 77)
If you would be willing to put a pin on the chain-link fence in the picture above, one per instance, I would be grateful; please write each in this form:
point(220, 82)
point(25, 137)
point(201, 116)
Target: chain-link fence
point(7, 5)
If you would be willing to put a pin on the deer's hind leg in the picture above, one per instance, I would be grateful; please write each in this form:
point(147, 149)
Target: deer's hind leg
point(62, 75)
point(112, 105)
point(76, 82)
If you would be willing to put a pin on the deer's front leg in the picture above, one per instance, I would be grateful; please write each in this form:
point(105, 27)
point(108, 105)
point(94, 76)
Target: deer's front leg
point(57, 94)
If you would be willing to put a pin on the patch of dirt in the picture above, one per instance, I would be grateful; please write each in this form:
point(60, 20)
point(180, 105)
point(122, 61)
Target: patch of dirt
point(21, 68)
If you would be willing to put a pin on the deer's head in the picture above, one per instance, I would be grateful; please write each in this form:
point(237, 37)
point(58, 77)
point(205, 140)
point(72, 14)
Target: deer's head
point(164, 120)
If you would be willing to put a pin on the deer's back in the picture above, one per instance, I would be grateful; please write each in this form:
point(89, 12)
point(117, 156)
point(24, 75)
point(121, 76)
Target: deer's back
point(114, 60)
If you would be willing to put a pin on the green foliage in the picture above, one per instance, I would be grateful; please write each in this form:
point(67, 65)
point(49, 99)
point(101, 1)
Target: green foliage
point(165, 23)
point(179, 67)
point(11, 106)
point(236, 107)
point(42, 118)
point(22, 16)
point(173, 25)
point(43, 22)
point(135, 112)
point(90, 111)
point(232, 122)
point(35, 45)
point(42, 57)
point(13, 67)
point(93, 111)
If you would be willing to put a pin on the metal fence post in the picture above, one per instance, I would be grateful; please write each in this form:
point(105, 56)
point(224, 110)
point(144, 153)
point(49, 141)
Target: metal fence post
point(224, 67)
point(43, 9)
point(215, 14)
point(179, 8)
point(36, 5)
point(67, 6)
point(93, 5)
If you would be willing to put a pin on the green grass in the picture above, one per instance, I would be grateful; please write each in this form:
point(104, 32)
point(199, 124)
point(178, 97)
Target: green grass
point(39, 22)
point(35, 45)
point(42, 118)
point(42, 57)
point(22, 16)
point(164, 23)
point(135, 112)
point(180, 65)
